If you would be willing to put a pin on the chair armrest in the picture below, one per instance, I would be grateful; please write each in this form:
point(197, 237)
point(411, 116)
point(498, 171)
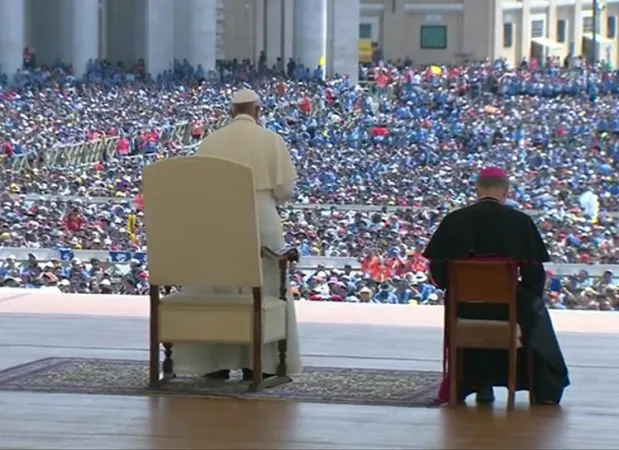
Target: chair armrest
point(288, 253)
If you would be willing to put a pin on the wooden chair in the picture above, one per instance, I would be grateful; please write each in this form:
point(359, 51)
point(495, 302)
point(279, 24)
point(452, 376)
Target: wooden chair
point(202, 230)
point(486, 282)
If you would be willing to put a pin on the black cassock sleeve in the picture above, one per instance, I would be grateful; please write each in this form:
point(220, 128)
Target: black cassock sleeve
point(438, 273)
point(532, 270)
point(438, 253)
point(533, 277)
point(536, 248)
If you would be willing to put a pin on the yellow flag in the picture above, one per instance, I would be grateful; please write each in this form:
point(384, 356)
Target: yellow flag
point(322, 61)
point(436, 70)
point(131, 227)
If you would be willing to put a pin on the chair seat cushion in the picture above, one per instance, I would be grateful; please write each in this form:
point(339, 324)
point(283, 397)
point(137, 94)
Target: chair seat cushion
point(473, 333)
point(219, 318)
point(221, 300)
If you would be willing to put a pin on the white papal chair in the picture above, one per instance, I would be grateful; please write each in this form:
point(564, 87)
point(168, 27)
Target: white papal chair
point(202, 231)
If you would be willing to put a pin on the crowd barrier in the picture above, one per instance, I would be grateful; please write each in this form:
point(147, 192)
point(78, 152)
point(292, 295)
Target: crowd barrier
point(88, 153)
point(68, 155)
point(306, 262)
point(123, 257)
point(91, 152)
point(124, 200)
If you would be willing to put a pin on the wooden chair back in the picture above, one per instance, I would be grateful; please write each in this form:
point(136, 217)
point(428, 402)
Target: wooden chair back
point(489, 280)
point(481, 281)
point(201, 223)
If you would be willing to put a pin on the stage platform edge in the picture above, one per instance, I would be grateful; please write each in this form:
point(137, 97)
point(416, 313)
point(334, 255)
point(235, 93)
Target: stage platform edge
point(39, 302)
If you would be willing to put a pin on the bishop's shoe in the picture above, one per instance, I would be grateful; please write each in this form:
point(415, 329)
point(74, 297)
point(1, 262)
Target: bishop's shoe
point(484, 396)
point(248, 375)
point(218, 375)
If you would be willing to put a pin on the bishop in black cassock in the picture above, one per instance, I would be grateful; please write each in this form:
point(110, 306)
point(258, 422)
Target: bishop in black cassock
point(488, 228)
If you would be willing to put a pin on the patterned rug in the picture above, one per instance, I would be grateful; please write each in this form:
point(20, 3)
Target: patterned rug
point(316, 384)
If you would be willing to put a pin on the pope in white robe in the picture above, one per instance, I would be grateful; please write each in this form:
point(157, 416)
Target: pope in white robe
point(245, 141)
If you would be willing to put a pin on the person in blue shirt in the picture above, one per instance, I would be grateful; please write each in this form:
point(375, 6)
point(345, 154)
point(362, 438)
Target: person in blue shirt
point(8, 267)
point(31, 269)
point(403, 291)
point(385, 294)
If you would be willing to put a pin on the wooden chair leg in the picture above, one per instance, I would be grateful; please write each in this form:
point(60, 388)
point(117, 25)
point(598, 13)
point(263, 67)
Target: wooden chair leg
point(153, 366)
point(153, 363)
point(168, 363)
point(282, 346)
point(281, 372)
point(452, 373)
point(511, 381)
point(256, 383)
point(281, 375)
point(460, 367)
point(531, 376)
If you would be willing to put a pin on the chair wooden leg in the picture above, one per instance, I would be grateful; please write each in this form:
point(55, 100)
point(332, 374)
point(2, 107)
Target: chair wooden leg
point(153, 363)
point(531, 376)
point(282, 347)
point(256, 382)
point(168, 363)
point(282, 344)
point(281, 373)
point(460, 367)
point(153, 366)
point(452, 373)
point(511, 381)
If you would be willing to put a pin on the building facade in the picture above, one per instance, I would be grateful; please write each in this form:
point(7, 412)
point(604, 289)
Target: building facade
point(433, 31)
point(332, 33)
point(447, 31)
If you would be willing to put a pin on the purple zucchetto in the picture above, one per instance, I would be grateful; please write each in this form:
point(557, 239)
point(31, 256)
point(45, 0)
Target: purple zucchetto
point(493, 172)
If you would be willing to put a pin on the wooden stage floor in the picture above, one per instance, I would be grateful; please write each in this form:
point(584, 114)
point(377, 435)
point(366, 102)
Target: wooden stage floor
point(35, 326)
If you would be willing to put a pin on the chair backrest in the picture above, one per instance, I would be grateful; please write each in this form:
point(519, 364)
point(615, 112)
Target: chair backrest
point(486, 280)
point(201, 223)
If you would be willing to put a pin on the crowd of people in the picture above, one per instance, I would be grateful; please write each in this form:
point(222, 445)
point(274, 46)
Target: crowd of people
point(407, 141)
point(408, 284)
point(43, 223)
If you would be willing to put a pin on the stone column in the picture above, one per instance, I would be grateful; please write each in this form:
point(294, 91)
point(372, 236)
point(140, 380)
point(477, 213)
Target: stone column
point(195, 32)
point(552, 20)
point(576, 31)
point(159, 35)
point(602, 22)
point(345, 55)
point(310, 32)
point(12, 35)
point(525, 41)
point(274, 30)
point(288, 24)
point(219, 26)
point(604, 50)
point(182, 15)
point(497, 36)
point(202, 32)
point(138, 27)
point(258, 29)
point(85, 34)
